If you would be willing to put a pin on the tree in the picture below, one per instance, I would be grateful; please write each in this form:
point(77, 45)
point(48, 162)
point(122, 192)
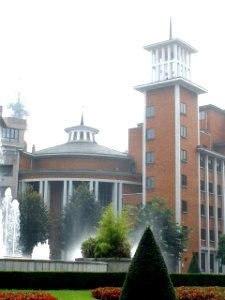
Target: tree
point(193, 266)
point(221, 249)
point(112, 235)
point(79, 218)
point(34, 220)
point(147, 277)
point(171, 237)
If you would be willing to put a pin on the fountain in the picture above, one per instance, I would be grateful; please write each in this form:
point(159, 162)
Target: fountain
point(9, 226)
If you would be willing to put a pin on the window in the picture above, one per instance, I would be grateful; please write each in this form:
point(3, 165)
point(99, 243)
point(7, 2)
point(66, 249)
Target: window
point(203, 261)
point(10, 133)
point(211, 235)
point(150, 157)
point(219, 190)
point(150, 111)
point(211, 262)
point(203, 234)
point(210, 163)
point(6, 170)
point(202, 185)
point(150, 133)
point(183, 108)
point(202, 209)
point(183, 131)
point(202, 115)
point(202, 161)
point(219, 213)
point(218, 166)
point(183, 155)
point(183, 180)
point(210, 188)
point(150, 182)
point(184, 206)
point(211, 211)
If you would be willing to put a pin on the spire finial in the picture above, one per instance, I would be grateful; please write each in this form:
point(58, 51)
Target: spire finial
point(170, 37)
point(82, 117)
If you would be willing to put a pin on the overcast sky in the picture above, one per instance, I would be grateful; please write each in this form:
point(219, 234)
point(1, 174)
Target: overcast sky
point(62, 55)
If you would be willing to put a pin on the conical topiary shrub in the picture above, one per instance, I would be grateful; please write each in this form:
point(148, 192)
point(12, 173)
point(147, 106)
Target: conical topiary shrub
point(193, 266)
point(147, 277)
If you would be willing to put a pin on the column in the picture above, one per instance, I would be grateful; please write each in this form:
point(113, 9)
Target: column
point(114, 196)
point(41, 187)
point(70, 188)
point(215, 207)
point(64, 193)
point(46, 193)
point(96, 190)
point(207, 214)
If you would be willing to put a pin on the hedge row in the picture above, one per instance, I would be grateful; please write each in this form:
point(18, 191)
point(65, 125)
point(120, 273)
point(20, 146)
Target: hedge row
point(80, 280)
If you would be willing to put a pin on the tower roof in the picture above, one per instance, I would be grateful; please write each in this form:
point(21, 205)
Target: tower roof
point(170, 42)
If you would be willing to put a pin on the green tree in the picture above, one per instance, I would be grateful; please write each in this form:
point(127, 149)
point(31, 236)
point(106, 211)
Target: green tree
point(221, 249)
point(79, 218)
point(171, 237)
point(34, 220)
point(147, 277)
point(193, 266)
point(112, 234)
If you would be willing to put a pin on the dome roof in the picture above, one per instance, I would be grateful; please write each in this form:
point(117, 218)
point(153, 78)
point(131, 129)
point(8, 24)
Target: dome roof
point(82, 149)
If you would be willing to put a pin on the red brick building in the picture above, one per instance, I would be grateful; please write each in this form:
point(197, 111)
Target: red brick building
point(56, 171)
point(182, 154)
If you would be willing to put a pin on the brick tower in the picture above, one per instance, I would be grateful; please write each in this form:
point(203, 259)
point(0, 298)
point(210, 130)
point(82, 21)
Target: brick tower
point(170, 135)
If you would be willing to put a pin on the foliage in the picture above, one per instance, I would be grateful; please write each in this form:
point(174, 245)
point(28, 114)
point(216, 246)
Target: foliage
point(88, 247)
point(147, 272)
point(112, 235)
point(106, 293)
point(80, 217)
point(34, 220)
point(221, 249)
point(193, 266)
point(171, 237)
point(197, 293)
point(182, 293)
point(26, 295)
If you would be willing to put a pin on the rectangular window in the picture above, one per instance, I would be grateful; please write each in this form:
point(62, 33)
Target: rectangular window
point(211, 236)
point(183, 155)
point(202, 209)
point(183, 131)
point(150, 133)
point(150, 157)
point(218, 167)
point(203, 261)
point(210, 188)
point(211, 211)
point(202, 115)
point(183, 180)
point(184, 206)
point(6, 170)
point(150, 182)
point(210, 163)
point(202, 185)
point(10, 133)
point(203, 234)
point(150, 111)
point(183, 108)
point(219, 213)
point(219, 190)
point(202, 161)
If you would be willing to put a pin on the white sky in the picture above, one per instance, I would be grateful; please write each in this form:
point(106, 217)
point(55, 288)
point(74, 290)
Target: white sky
point(65, 54)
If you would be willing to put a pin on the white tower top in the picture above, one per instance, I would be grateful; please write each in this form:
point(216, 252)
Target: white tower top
point(170, 59)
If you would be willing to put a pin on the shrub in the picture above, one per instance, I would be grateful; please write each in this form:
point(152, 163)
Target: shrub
point(193, 266)
point(147, 273)
point(88, 247)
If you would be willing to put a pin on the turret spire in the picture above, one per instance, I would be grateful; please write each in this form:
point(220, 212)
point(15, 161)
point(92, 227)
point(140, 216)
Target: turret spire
point(170, 37)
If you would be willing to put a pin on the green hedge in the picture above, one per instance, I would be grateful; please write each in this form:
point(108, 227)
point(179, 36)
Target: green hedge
point(83, 280)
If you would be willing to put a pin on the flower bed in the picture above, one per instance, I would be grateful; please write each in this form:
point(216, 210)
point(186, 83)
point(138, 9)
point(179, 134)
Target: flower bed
point(26, 296)
point(182, 293)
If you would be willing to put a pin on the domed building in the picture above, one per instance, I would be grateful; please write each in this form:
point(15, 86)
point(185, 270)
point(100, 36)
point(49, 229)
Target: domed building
point(56, 171)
